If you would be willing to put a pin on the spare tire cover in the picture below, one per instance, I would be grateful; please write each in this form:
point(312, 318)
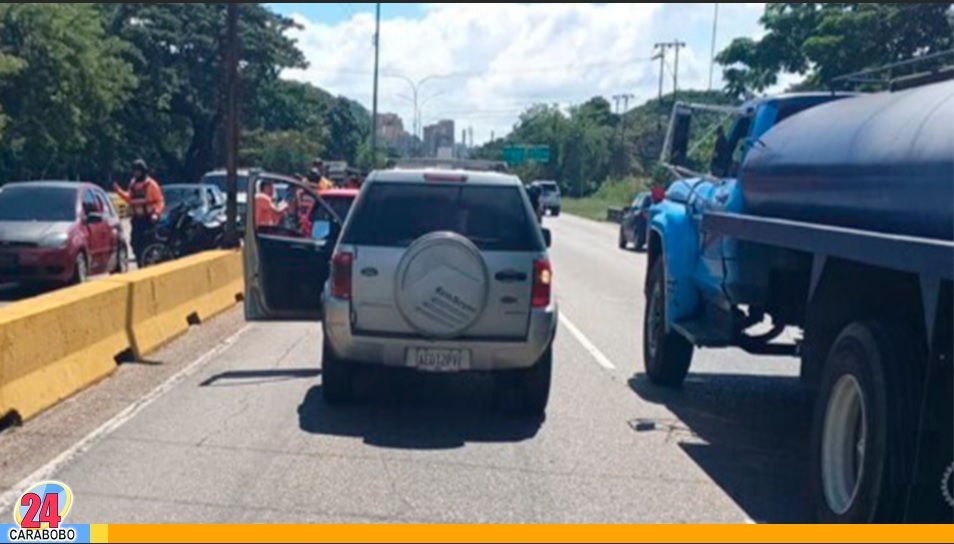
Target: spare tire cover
point(442, 285)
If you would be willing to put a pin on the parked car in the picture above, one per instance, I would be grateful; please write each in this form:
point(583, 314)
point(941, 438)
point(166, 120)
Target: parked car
point(202, 197)
point(59, 233)
point(634, 228)
point(552, 200)
point(436, 271)
point(317, 221)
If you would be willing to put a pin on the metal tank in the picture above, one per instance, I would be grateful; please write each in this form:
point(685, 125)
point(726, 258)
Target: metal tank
point(882, 162)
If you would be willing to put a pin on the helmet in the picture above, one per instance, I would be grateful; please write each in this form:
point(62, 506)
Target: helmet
point(140, 166)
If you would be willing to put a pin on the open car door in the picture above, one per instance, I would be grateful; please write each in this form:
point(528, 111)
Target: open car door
point(287, 252)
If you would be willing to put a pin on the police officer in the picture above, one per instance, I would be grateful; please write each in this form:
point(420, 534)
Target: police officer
point(146, 203)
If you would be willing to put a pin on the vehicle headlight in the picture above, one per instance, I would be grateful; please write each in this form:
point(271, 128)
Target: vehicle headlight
point(56, 241)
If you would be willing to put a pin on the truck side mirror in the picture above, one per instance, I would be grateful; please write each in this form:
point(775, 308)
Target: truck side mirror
point(682, 127)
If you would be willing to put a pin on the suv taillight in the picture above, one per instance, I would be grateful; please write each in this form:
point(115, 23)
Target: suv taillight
point(341, 274)
point(542, 284)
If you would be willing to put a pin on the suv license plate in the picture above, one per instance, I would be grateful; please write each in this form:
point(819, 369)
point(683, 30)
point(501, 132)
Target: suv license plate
point(439, 360)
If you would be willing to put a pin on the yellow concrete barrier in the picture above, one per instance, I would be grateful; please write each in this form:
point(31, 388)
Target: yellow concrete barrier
point(226, 283)
point(166, 299)
point(56, 345)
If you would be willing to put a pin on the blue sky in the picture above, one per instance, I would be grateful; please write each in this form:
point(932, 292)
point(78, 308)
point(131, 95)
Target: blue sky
point(336, 13)
point(484, 64)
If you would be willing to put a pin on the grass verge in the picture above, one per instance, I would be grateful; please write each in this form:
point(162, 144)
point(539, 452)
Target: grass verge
point(611, 195)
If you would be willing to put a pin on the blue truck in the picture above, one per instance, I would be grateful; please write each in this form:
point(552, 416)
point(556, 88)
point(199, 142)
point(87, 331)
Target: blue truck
point(832, 214)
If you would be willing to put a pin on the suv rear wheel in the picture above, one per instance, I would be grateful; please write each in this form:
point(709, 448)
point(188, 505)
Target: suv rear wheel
point(337, 381)
point(532, 387)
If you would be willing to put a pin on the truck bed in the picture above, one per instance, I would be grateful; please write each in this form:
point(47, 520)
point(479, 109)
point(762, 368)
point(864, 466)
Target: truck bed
point(922, 256)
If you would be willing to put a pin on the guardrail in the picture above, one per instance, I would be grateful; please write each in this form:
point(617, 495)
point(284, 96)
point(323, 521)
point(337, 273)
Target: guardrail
point(615, 215)
point(56, 345)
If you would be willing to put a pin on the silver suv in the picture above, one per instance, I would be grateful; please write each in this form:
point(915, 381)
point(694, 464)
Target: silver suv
point(442, 271)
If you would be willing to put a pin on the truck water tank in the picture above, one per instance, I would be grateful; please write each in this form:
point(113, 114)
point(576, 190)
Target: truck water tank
point(882, 162)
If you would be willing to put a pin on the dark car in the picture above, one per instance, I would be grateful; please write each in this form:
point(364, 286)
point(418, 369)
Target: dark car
point(635, 225)
point(204, 197)
point(59, 232)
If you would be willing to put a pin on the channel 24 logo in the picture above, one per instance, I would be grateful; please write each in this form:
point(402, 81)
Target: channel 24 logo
point(40, 513)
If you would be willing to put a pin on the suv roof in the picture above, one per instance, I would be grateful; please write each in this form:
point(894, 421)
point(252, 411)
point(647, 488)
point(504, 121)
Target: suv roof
point(419, 176)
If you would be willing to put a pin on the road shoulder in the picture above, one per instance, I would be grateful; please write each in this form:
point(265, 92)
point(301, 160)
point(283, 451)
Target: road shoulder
point(23, 450)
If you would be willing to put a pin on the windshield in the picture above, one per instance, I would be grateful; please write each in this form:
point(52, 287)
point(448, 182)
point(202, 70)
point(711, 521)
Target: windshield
point(340, 205)
point(183, 195)
point(549, 188)
point(44, 204)
point(220, 181)
point(493, 218)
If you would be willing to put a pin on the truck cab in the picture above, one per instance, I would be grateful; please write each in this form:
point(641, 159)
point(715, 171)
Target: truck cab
point(704, 282)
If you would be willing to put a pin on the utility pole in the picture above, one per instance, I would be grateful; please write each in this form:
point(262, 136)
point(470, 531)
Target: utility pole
point(377, 67)
point(232, 125)
point(715, 37)
point(662, 48)
point(675, 76)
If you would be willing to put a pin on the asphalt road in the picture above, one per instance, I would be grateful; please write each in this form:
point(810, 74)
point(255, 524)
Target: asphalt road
point(241, 434)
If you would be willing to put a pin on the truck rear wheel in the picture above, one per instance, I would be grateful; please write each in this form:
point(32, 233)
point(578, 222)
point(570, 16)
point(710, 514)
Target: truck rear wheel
point(865, 427)
point(668, 355)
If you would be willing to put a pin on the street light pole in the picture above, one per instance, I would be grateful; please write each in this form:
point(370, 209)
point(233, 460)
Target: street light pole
point(377, 66)
point(232, 125)
point(416, 99)
point(715, 36)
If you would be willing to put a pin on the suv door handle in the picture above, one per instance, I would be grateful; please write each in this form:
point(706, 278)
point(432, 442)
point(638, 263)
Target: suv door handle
point(511, 276)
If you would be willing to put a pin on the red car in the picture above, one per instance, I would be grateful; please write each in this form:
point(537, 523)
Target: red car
point(339, 200)
point(59, 232)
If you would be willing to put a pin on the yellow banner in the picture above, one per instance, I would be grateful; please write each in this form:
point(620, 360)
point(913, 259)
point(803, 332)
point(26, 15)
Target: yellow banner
point(755, 534)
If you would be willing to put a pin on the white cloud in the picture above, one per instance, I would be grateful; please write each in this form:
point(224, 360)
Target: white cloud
point(503, 57)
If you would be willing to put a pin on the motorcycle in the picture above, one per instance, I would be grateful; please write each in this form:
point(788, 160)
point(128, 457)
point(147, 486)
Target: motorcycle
point(186, 229)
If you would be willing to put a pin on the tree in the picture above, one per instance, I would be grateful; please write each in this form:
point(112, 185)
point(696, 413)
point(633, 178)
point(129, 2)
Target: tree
point(61, 80)
point(283, 151)
point(177, 114)
point(346, 133)
point(825, 40)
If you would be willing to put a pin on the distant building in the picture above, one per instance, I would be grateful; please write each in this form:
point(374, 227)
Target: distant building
point(441, 135)
point(392, 135)
point(391, 128)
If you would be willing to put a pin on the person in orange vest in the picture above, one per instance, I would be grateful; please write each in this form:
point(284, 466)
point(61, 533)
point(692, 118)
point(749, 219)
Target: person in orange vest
point(146, 205)
point(318, 171)
point(267, 213)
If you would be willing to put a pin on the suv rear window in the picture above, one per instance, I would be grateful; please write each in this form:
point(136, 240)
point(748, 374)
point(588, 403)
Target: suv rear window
point(396, 215)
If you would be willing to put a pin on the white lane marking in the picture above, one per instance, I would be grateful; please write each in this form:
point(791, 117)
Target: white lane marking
point(8, 499)
point(603, 360)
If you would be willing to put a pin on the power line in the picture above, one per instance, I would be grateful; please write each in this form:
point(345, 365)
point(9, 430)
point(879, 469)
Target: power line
point(516, 71)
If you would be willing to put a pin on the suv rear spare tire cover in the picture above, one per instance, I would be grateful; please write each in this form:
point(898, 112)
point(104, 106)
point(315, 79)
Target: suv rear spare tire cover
point(442, 286)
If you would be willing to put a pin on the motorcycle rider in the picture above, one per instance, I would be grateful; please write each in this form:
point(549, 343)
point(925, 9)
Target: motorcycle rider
point(146, 203)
